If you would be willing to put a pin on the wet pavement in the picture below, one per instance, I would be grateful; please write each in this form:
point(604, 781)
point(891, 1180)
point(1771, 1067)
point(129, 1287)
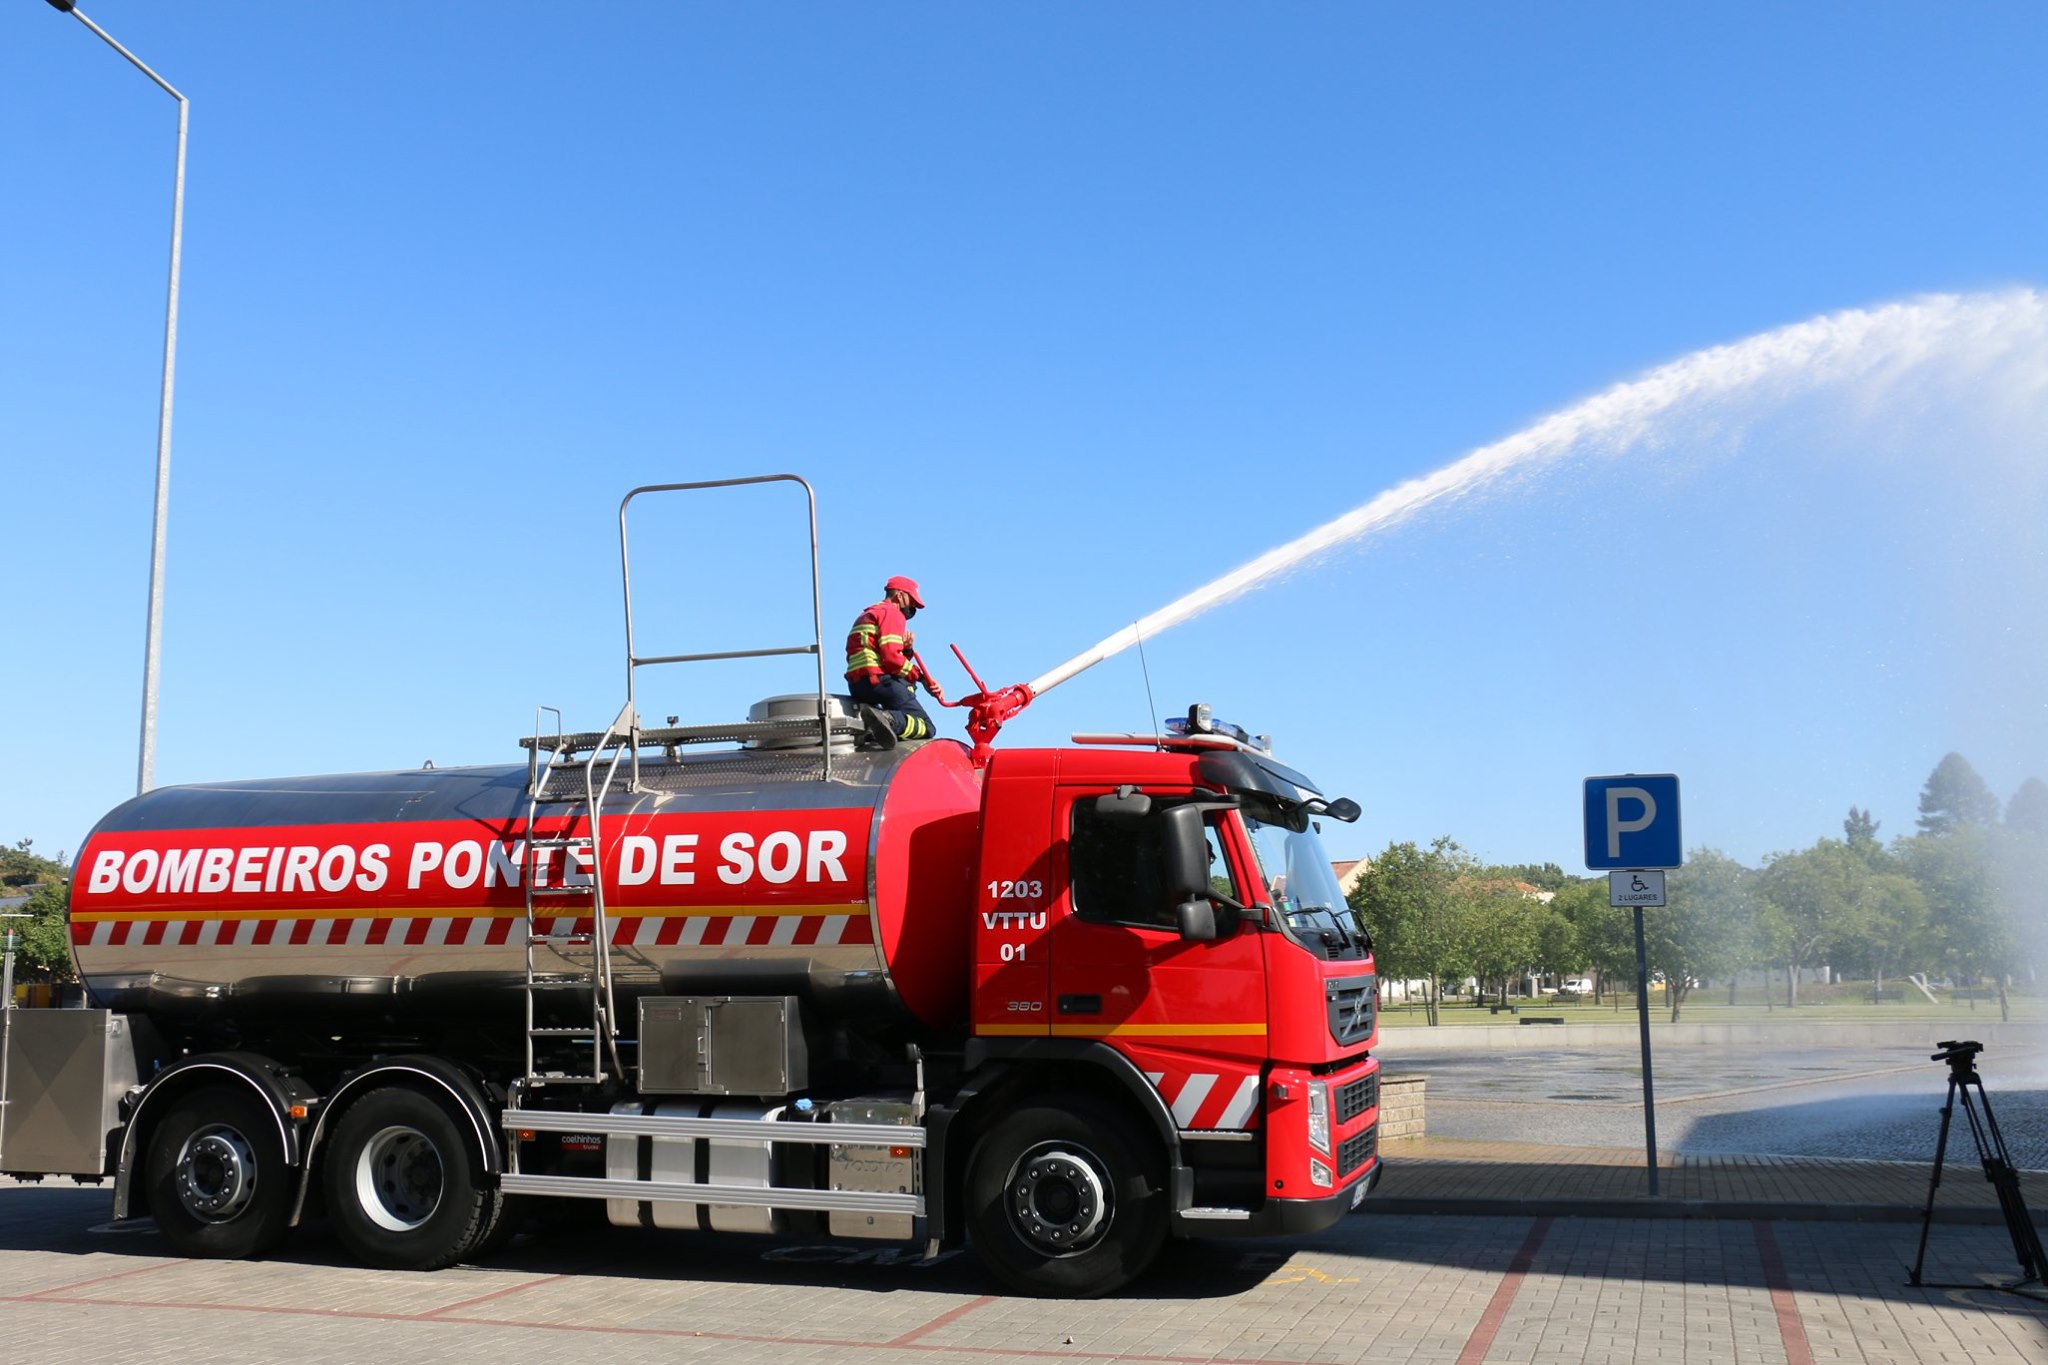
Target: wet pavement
point(1874, 1103)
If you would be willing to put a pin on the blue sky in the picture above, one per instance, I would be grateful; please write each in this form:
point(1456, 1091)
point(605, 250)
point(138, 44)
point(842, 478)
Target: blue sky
point(1065, 310)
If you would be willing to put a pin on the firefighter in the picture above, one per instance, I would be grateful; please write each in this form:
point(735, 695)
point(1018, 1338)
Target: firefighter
point(883, 670)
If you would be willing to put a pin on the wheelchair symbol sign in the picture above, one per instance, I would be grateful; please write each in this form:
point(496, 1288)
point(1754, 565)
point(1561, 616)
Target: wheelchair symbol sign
point(1635, 888)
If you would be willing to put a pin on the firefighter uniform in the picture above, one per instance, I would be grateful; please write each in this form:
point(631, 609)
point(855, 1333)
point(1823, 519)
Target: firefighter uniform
point(882, 667)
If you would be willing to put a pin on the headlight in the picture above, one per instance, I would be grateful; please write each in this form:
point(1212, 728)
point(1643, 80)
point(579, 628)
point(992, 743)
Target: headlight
point(1319, 1115)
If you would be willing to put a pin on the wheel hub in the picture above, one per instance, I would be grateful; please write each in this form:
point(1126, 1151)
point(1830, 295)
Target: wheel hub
point(216, 1174)
point(399, 1178)
point(1058, 1201)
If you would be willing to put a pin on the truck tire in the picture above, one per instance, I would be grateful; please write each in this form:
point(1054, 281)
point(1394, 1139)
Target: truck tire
point(404, 1190)
point(216, 1175)
point(1066, 1198)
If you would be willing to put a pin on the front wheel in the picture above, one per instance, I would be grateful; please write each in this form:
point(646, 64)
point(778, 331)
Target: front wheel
point(1066, 1198)
point(403, 1190)
point(216, 1175)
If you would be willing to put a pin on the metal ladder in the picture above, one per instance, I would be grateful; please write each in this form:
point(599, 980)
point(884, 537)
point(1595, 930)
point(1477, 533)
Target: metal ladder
point(619, 746)
point(571, 890)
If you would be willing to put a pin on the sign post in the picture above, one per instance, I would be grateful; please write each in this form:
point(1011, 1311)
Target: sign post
point(1632, 832)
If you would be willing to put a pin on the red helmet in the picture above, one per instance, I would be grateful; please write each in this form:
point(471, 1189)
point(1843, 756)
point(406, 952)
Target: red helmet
point(901, 584)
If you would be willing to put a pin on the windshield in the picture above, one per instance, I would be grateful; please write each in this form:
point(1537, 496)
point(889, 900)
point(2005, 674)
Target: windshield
point(1304, 885)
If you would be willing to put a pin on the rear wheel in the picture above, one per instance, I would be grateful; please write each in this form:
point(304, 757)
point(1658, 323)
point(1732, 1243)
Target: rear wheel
point(216, 1175)
point(1066, 1198)
point(404, 1190)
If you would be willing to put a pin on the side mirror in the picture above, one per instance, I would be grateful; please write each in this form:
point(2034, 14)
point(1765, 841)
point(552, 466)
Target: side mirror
point(1196, 920)
point(1343, 808)
point(1125, 803)
point(1184, 850)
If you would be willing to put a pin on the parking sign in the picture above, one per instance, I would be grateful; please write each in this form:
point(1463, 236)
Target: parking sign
point(1632, 822)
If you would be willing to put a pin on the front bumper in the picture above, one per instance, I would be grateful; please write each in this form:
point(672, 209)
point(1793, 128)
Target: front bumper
point(1280, 1217)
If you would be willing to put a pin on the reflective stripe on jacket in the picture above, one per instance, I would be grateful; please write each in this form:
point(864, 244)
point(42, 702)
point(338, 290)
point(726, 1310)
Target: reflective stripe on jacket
point(875, 647)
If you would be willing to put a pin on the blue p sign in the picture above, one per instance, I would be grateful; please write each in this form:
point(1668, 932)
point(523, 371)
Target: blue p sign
point(1632, 822)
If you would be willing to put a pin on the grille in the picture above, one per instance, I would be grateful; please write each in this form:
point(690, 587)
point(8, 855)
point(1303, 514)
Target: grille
point(1350, 1000)
point(1357, 1097)
point(1358, 1150)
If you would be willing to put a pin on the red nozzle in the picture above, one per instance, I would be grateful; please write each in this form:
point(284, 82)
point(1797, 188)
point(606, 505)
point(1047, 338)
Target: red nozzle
point(990, 710)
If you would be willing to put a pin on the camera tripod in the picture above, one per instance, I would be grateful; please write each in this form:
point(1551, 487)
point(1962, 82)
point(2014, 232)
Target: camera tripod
point(1998, 1169)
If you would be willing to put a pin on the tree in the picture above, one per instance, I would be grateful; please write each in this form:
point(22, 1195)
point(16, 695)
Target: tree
point(42, 946)
point(1557, 940)
point(1861, 833)
point(1811, 905)
point(1542, 876)
point(1601, 933)
point(2027, 812)
point(1410, 903)
point(1954, 797)
point(1970, 925)
point(1707, 928)
point(1501, 929)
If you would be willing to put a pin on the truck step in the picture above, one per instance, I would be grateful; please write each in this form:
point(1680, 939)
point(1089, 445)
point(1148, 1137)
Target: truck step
point(751, 1130)
point(1218, 1215)
point(752, 1196)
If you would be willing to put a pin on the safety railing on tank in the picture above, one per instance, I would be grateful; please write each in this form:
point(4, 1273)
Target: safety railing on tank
point(816, 648)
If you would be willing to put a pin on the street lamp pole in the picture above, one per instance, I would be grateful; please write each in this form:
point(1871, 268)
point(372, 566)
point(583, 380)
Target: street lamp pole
point(145, 768)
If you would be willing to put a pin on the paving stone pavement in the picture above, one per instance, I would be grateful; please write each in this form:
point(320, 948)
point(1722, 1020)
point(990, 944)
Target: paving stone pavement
point(1454, 1175)
point(1401, 1288)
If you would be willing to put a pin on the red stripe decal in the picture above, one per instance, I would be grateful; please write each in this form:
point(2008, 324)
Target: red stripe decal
point(264, 929)
point(122, 932)
point(714, 930)
point(807, 931)
point(189, 936)
point(501, 929)
point(153, 935)
point(302, 932)
point(763, 930)
point(671, 931)
point(626, 931)
point(379, 929)
point(416, 932)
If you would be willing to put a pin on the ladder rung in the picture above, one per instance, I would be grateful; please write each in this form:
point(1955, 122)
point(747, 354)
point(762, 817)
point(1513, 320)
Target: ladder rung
point(568, 841)
point(560, 890)
point(561, 1033)
point(570, 940)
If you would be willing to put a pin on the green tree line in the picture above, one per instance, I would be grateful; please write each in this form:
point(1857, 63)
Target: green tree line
point(39, 888)
point(1964, 897)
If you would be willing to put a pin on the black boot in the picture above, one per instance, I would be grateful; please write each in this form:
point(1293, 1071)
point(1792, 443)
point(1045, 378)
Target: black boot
point(881, 732)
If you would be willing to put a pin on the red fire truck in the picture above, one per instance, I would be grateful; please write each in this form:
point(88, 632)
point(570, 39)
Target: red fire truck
point(757, 977)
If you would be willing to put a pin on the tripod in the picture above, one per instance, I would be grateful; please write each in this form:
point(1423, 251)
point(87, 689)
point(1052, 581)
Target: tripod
point(1991, 1151)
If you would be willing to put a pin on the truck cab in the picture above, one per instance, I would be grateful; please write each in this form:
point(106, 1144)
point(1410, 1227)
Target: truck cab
point(1161, 909)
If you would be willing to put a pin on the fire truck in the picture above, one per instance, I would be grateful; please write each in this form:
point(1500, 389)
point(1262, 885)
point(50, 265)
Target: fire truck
point(1060, 1004)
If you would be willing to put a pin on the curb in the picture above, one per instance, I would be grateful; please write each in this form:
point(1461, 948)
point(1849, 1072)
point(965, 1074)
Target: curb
point(1783, 1211)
